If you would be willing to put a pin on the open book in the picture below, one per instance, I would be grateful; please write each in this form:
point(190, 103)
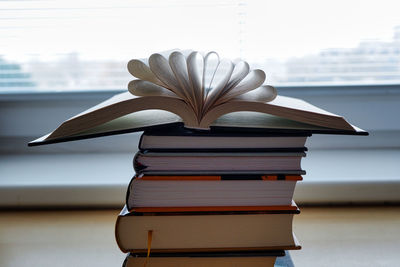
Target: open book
point(200, 91)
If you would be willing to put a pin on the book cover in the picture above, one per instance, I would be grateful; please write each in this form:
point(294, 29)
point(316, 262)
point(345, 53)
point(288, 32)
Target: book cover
point(268, 229)
point(210, 259)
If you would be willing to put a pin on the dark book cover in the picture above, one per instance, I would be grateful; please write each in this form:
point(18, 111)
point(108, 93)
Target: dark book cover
point(220, 129)
point(283, 257)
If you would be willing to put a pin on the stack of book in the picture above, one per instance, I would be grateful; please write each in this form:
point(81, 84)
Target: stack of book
point(211, 197)
point(218, 161)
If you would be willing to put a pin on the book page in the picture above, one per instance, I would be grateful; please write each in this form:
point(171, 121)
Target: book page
point(140, 119)
point(261, 120)
point(295, 103)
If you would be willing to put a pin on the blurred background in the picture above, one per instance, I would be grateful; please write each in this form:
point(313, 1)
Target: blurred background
point(59, 57)
point(85, 45)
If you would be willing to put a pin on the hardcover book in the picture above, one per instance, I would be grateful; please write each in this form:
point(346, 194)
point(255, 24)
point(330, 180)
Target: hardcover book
point(209, 259)
point(182, 139)
point(234, 191)
point(192, 163)
point(204, 230)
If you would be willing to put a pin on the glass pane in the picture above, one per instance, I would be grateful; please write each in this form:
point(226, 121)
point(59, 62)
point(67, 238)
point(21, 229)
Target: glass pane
point(64, 45)
point(324, 42)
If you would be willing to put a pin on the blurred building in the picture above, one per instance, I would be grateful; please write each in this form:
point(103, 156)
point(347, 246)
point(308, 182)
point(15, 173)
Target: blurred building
point(13, 78)
point(370, 62)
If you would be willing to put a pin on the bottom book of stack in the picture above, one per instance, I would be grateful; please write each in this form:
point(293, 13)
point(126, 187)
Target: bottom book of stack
point(266, 258)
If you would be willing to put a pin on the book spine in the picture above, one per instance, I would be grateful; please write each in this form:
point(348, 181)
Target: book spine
point(137, 165)
point(128, 193)
point(140, 142)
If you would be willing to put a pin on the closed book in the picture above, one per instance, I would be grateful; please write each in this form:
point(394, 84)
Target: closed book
point(153, 163)
point(202, 259)
point(211, 191)
point(266, 229)
point(181, 139)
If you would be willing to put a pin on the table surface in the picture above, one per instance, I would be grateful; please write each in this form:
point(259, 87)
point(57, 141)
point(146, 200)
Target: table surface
point(330, 236)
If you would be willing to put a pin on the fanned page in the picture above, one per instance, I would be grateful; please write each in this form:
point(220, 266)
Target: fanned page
point(199, 89)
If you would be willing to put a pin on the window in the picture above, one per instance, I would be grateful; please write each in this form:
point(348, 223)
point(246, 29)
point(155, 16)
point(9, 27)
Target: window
point(60, 57)
point(84, 45)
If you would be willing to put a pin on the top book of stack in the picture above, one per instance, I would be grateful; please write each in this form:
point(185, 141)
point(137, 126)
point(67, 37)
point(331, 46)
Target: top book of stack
point(201, 92)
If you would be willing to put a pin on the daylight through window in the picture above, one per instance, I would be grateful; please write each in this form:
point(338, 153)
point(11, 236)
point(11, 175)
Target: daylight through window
point(65, 45)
